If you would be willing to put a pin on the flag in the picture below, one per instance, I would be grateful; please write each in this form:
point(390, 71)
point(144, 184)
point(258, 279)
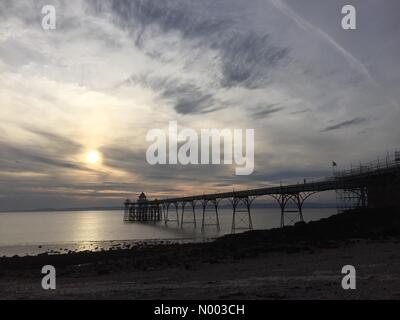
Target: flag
point(334, 164)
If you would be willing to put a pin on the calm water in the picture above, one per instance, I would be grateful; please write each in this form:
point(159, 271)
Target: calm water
point(36, 232)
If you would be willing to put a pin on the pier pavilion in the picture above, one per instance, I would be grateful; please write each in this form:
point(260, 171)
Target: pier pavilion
point(142, 210)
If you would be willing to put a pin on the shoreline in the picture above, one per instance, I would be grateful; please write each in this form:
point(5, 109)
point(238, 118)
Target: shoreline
point(35, 249)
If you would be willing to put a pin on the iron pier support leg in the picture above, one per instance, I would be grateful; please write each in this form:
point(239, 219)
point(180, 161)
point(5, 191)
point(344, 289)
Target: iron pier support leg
point(194, 213)
point(248, 205)
point(282, 205)
point(234, 204)
point(193, 205)
point(204, 204)
point(246, 213)
point(203, 224)
point(166, 214)
point(177, 213)
point(299, 201)
point(183, 212)
point(164, 211)
point(216, 214)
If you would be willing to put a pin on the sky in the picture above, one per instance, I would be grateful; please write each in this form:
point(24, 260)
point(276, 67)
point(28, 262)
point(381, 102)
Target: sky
point(77, 102)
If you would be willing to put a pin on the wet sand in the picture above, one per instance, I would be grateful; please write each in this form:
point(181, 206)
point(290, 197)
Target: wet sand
point(301, 262)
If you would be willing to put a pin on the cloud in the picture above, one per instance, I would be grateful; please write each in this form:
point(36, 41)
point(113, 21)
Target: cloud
point(186, 98)
point(248, 59)
point(345, 124)
point(62, 143)
point(33, 158)
point(49, 153)
point(168, 15)
point(134, 162)
point(244, 58)
point(261, 112)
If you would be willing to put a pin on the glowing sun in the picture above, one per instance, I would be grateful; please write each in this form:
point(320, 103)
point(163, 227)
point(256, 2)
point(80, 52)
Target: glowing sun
point(93, 157)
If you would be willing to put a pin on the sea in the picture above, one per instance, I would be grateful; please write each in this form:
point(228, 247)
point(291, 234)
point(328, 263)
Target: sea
point(32, 233)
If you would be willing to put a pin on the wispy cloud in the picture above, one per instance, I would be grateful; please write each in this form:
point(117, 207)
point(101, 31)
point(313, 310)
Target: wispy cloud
point(344, 124)
point(244, 58)
point(186, 97)
point(248, 59)
point(260, 112)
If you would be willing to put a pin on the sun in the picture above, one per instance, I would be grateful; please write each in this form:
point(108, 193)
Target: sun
point(93, 157)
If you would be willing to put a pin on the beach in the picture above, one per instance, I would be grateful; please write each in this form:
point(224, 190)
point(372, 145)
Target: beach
point(311, 274)
point(300, 262)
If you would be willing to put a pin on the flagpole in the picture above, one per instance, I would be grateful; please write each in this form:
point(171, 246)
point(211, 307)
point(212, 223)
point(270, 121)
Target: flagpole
point(333, 168)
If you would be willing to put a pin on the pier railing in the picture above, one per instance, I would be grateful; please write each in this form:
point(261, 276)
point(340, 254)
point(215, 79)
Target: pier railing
point(391, 161)
point(350, 178)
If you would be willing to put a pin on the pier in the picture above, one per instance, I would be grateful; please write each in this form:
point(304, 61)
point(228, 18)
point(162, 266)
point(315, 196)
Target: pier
point(375, 184)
